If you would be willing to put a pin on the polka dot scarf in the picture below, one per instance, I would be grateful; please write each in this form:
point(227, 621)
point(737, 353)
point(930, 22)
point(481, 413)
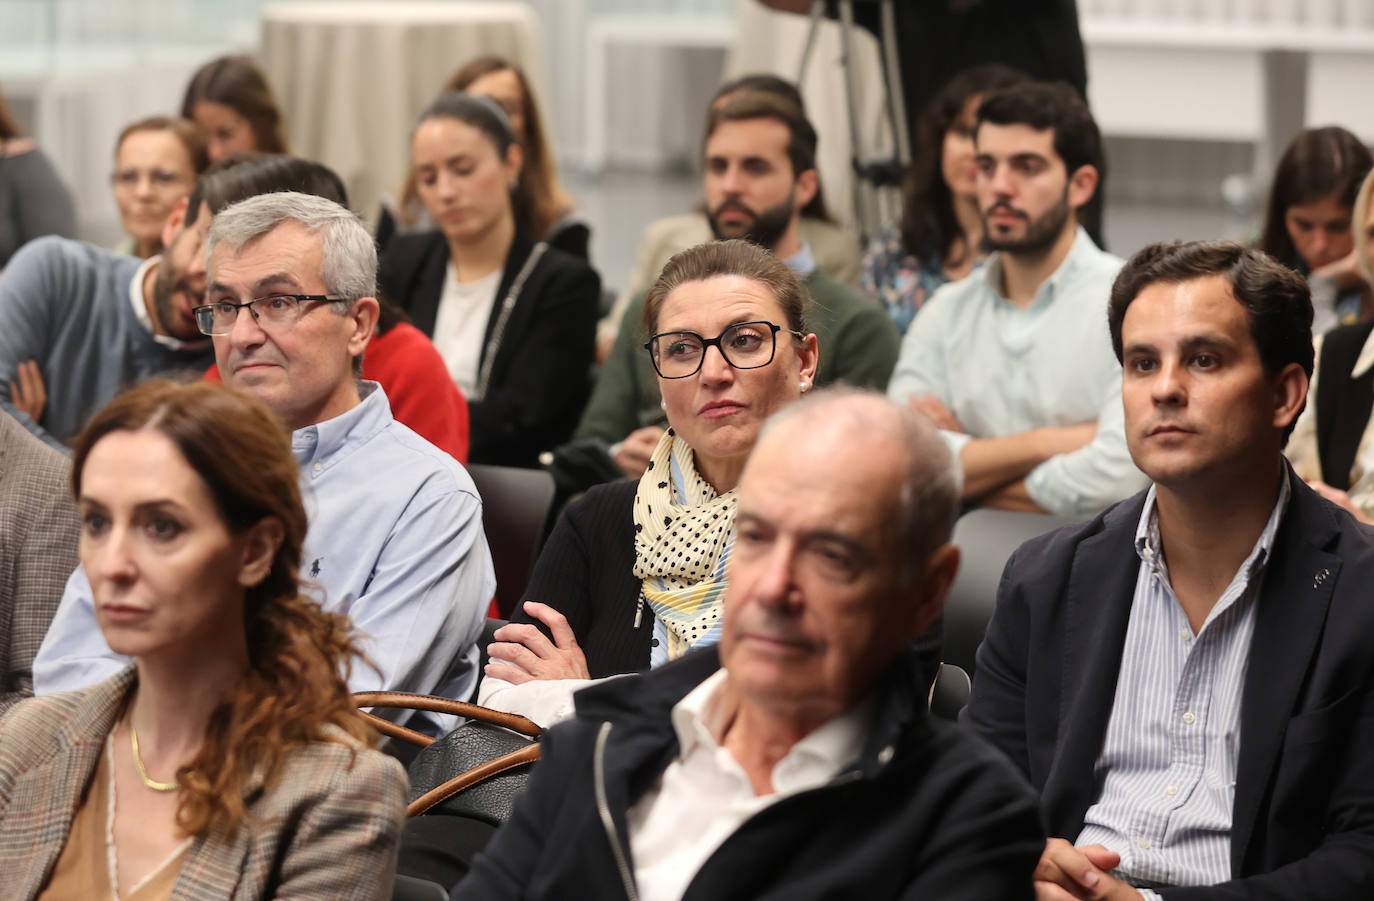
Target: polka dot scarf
point(683, 532)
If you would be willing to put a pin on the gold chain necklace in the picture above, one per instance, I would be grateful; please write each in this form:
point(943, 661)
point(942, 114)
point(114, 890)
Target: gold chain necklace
point(142, 771)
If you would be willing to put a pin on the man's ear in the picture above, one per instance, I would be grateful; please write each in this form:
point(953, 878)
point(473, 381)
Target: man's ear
point(1082, 185)
point(176, 220)
point(1290, 393)
point(363, 314)
point(807, 186)
point(932, 586)
point(260, 549)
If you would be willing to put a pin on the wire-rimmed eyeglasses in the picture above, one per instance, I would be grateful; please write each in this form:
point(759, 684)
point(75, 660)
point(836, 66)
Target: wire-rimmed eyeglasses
point(218, 318)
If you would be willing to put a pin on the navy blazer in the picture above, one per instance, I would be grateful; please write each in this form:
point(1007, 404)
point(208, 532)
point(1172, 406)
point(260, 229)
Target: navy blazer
point(1303, 815)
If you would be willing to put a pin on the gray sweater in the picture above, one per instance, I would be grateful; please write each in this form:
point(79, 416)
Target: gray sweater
point(33, 201)
point(66, 304)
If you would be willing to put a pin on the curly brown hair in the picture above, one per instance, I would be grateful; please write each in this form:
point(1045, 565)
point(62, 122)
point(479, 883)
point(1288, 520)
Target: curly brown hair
point(295, 689)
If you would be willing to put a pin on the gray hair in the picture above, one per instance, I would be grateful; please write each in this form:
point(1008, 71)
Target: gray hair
point(931, 491)
point(349, 267)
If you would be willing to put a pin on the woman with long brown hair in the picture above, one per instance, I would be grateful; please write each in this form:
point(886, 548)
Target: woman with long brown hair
point(232, 102)
point(553, 212)
point(33, 200)
point(228, 761)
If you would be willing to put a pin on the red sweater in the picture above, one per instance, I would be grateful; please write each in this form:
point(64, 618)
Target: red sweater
point(416, 381)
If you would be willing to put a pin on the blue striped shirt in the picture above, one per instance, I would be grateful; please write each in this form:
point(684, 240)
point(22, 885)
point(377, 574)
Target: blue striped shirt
point(1167, 770)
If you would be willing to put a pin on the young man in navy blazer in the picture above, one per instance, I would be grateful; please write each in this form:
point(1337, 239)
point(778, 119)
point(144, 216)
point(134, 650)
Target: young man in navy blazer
point(1187, 678)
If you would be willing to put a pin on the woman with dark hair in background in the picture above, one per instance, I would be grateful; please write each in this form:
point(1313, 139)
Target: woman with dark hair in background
point(553, 212)
point(512, 318)
point(941, 233)
point(33, 200)
point(157, 161)
point(230, 99)
point(1307, 221)
point(228, 760)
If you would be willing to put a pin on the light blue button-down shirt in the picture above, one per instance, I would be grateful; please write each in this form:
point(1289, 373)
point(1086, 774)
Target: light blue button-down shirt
point(395, 541)
point(1003, 370)
point(1168, 762)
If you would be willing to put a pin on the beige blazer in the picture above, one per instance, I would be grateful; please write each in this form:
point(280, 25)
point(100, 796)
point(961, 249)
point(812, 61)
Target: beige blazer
point(325, 830)
point(38, 537)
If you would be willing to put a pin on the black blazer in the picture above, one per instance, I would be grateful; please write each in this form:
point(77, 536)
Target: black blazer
point(539, 379)
point(1303, 817)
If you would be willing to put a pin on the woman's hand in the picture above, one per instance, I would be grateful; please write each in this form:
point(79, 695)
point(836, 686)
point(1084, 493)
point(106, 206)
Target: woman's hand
point(29, 393)
point(522, 653)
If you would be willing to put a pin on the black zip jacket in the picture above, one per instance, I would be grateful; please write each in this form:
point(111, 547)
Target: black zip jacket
point(927, 811)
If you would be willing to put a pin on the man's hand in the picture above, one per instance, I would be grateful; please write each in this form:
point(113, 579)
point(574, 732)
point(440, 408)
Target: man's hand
point(1051, 441)
point(1065, 873)
point(29, 394)
point(931, 407)
point(632, 455)
point(524, 653)
point(1340, 499)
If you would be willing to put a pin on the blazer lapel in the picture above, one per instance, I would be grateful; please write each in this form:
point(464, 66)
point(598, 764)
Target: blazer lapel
point(428, 289)
point(44, 799)
point(1290, 613)
point(1097, 607)
point(213, 868)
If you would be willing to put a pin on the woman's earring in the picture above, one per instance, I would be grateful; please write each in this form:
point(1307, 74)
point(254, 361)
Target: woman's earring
point(663, 405)
point(804, 385)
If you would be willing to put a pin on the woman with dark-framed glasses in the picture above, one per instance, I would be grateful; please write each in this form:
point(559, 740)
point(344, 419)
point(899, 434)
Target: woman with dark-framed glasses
point(634, 573)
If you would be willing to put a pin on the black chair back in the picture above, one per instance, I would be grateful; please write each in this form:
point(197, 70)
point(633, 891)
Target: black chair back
point(986, 539)
point(950, 692)
point(515, 510)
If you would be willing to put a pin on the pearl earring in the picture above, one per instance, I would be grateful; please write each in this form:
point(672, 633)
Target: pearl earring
point(804, 385)
point(663, 405)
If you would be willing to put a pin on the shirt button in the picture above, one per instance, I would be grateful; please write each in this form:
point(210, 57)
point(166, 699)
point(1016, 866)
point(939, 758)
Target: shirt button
point(317, 467)
point(1184, 634)
point(1144, 843)
point(1189, 719)
point(1171, 790)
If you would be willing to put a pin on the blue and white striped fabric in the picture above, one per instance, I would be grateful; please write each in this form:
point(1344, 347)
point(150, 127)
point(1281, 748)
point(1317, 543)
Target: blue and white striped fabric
point(1167, 770)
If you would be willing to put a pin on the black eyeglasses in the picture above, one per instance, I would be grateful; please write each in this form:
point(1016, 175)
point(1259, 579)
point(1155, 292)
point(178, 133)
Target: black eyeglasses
point(218, 318)
point(744, 345)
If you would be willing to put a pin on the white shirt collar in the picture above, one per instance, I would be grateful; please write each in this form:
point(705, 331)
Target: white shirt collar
point(140, 306)
point(700, 719)
point(1365, 361)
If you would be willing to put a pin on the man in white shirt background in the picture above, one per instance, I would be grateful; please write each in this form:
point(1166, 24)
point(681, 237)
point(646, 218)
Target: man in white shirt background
point(1012, 361)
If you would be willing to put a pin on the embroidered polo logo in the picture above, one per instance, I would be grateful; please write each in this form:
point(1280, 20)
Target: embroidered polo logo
point(315, 567)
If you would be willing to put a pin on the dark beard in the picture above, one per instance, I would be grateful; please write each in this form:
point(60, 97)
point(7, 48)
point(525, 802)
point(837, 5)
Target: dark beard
point(1040, 233)
point(765, 229)
point(165, 284)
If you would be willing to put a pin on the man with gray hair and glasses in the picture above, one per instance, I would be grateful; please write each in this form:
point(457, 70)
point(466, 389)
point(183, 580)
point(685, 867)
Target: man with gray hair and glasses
point(395, 536)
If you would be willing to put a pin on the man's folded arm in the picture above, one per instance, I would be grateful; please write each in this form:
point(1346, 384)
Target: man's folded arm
point(1087, 480)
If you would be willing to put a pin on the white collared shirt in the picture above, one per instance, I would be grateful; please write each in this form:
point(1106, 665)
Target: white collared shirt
point(1167, 769)
point(704, 795)
point(140, 305)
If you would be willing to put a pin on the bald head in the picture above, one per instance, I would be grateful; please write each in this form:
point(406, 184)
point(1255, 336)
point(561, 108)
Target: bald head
point(927, 481)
